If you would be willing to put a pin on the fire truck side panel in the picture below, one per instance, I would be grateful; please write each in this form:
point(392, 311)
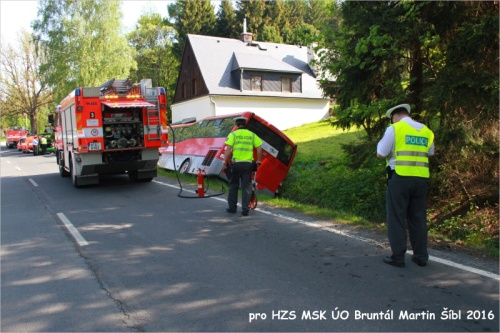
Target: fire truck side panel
point(68, 123)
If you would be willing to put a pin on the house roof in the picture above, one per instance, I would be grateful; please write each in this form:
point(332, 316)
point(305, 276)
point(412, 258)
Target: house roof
point(261, 62)
point(217, 57)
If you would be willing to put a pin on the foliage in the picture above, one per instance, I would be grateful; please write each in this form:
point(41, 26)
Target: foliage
point(152, 40)
point(22, 88)
point(82, 43)
point(442, 58)
point(191, 17)
point(355, 188)
point(226, 20)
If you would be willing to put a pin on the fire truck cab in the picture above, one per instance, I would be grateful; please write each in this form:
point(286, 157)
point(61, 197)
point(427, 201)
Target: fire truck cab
point(114, 128)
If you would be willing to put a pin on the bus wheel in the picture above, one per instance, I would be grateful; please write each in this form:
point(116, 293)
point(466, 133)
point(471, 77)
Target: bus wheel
point(185, 166)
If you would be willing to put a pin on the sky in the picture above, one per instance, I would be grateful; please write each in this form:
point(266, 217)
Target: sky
point(18, 14)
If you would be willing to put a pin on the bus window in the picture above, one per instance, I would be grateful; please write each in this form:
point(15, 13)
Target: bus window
point(285, 150)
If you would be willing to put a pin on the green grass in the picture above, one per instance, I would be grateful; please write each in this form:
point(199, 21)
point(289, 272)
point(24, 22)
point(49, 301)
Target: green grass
point(319, 145)
point(320, 141)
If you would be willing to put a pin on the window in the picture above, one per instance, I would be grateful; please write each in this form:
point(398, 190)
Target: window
point(286, 84)
point(184, 90)
point(256, 83)
point(195, 87)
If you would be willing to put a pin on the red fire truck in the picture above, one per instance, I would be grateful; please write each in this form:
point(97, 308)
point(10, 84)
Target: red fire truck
point(14, 135)
point(115, 128)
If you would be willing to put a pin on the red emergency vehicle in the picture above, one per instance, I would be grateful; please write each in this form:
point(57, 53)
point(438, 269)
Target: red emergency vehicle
point(14, 135)
point(114, 128)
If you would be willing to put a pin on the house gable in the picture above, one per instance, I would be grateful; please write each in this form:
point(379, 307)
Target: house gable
point(190, 83)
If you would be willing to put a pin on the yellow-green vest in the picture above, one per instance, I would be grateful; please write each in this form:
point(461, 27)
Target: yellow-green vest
point(411, 147)
point(243, 141)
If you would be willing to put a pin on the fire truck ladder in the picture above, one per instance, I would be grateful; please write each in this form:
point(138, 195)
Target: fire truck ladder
point(153, 114)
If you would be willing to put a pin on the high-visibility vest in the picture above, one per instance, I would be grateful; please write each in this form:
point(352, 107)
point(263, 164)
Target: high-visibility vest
point(411, 148)
point(44, 141)
point(243, 141)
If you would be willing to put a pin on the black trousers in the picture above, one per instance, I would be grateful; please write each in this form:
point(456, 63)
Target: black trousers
point(406, 200)
point(35, 149)
point(241, 172)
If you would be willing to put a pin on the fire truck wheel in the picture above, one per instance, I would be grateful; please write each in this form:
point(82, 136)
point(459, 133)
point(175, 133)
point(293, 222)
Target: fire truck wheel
point(62, 172)
point(74, 178)
point(185, 166)
point(133, 176)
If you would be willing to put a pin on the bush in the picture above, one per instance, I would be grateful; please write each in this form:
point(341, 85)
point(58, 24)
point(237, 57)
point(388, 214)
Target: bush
point(335, 185)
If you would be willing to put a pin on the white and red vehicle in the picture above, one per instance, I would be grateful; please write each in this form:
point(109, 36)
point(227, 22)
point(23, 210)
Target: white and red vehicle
point(14, 135)
point(115, 128)
point(200, 147)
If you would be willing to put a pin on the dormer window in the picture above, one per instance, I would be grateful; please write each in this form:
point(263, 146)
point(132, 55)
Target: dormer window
point(256, 83)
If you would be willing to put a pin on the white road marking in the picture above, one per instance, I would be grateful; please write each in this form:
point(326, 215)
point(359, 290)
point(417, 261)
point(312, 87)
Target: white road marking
point(33, 182)
point(363, 239)
point(18, 168)
point(71, 228)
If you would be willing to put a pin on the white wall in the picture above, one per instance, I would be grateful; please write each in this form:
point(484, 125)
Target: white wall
point(199, 108)
point(283, 113)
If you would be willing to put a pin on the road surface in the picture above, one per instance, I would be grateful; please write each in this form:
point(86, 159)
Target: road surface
point(125, 256)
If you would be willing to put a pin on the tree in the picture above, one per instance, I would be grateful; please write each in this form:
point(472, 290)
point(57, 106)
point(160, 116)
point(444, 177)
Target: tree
point(227, 26)
point(442, 57)
point(191, 17)
point(317, 13)
point(368, 63)
point(296, 12)
point(82, 42)
point(22, 88)
point(152, 40)
point(255, 13)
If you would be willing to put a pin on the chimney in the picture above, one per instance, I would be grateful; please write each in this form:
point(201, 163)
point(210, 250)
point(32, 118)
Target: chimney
point(246, 37)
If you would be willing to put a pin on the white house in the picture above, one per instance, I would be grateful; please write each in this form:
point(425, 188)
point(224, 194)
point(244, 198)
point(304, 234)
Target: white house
point(221, 76)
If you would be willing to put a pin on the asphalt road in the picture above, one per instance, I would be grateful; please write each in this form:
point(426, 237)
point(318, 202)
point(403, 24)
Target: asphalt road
point(148, 260)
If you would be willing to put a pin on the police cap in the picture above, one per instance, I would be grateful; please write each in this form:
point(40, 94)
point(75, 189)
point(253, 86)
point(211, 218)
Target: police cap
point(389, 112)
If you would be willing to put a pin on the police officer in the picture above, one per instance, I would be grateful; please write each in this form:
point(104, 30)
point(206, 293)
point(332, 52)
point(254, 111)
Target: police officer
point(43, 145)
point(241, 144)
point(35, 146)
point(406, 144)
